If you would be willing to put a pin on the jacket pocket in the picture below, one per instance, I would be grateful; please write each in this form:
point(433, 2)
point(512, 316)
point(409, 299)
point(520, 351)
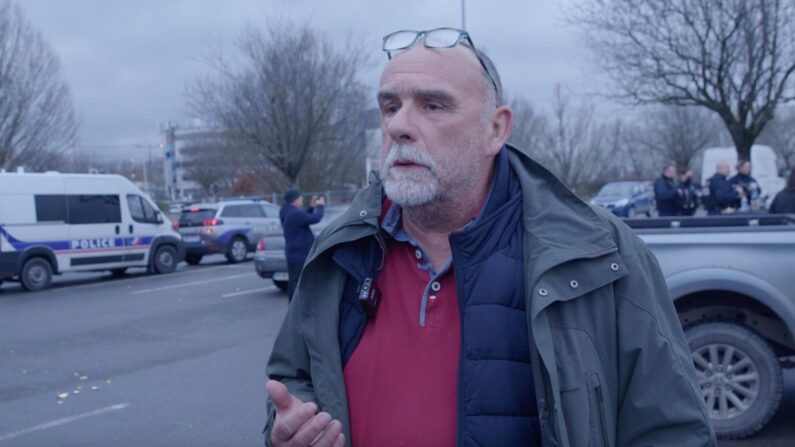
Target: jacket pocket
point(598, 428)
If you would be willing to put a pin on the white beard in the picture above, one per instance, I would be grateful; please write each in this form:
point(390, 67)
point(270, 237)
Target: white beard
point(410, 187)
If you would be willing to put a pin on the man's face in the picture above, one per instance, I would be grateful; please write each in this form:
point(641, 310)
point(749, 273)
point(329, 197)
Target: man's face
point(723, 168)
point(299, 202)
point(670, 171)
point(434, 122)
point(745, 168)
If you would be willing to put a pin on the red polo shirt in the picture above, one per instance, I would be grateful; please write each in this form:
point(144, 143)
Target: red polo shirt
point(401, 379)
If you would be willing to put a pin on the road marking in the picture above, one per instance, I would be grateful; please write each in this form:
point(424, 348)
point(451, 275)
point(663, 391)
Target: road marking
point(245, 292)
point(63, 421)
point(195, 283)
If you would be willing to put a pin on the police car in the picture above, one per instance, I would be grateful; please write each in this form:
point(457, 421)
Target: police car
point(231, 227)
point(53, 223)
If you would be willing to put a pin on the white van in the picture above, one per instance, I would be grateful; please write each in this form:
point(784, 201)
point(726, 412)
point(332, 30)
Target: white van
point(53, 223)
point(763, 167)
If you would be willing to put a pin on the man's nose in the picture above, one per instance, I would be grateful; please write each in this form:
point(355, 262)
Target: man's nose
point(401, 126)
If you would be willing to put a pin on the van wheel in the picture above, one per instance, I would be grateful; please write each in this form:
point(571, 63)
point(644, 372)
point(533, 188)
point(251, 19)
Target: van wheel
point(193, 259)
point(238, 249)
point(118, 272)
point(740, 377)
point(165, 259)
point(36, 274)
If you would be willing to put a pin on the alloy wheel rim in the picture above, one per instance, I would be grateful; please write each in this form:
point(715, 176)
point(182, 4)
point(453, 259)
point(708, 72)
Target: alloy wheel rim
point(729, 380)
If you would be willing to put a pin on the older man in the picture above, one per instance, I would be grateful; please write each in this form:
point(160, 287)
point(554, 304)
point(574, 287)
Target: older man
point(723, 196)
point(469, 298)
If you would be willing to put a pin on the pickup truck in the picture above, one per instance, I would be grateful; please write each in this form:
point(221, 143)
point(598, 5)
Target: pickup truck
point(732, 279)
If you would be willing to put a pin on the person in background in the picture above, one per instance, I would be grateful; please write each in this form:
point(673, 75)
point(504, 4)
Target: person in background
point(723, 197)
point(298, 237)
point(690, 193)
point(667, 193)
point(784, 202)
point(751, 190)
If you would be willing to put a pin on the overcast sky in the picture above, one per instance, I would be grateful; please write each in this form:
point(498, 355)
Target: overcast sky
point(128, 62)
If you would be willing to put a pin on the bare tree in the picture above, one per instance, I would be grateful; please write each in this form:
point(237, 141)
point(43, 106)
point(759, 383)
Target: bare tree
point(780, 135)
point(578, 148)
point(37, 119)
point(734, 57)
point(670, 135)
point(529, 127)
point(293, 97)
point(207, 163)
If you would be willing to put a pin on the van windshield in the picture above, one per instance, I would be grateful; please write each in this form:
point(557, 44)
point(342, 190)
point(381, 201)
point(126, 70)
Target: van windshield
point(195, 217)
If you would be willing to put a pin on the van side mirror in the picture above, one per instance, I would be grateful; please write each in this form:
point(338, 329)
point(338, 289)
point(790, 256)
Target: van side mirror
point(158, 217)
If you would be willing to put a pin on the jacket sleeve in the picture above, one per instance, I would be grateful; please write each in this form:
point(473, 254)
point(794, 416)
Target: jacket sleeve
point(302, 218)
point(659, 396)
point(725, 193)
point(289, 363)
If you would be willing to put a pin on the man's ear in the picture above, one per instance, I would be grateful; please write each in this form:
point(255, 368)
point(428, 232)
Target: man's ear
point(501, 125)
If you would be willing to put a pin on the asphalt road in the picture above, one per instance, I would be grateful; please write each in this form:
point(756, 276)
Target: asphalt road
point(177, 360)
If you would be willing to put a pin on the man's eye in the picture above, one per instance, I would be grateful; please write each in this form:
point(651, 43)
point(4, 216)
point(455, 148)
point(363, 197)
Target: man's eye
point(433, 106)
point(389, 109)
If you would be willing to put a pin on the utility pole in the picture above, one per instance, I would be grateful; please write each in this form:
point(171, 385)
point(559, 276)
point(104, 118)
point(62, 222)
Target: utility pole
point(148, 161)
point(463, 15)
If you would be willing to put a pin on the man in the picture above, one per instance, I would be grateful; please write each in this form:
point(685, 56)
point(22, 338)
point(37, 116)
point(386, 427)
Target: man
point(723, 197)
point(691, 191)
point(298, 237)
point(784, 202)
point(666, 192)
point(479, 302)
point(743, 179)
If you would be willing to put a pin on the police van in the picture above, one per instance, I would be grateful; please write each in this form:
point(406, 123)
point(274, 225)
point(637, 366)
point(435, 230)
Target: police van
point(53, 223)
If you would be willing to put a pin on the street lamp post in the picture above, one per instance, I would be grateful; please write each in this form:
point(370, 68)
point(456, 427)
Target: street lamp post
point(146, 165)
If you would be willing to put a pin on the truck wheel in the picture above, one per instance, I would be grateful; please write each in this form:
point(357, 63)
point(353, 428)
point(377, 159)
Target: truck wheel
point(193, 259)
point(281, 285)
point(36, 274)
point(740, 377)
point(238, 249)
point(165, 259)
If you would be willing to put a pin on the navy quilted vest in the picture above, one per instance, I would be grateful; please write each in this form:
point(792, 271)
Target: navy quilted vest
point(496, 398)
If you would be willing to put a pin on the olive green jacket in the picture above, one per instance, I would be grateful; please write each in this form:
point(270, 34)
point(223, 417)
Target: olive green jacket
point(610, 362)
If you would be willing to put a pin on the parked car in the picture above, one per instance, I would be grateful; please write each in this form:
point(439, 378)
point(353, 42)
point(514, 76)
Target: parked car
point(730, 278)
point(626, 199)
point(231, 228)
point(54, 223)
point(270, 260)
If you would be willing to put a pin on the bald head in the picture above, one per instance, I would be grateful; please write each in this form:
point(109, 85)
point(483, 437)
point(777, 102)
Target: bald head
point(722, 167)
point(458, 66)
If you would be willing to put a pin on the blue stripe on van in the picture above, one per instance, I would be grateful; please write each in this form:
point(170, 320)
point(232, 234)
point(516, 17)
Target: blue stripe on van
point(63, 245)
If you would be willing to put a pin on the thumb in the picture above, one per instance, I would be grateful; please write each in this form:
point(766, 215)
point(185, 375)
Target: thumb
point(279, 395)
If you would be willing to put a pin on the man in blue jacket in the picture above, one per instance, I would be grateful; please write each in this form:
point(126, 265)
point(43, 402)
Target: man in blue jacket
point(722, 195)
point(666, 192)
point(298, 237)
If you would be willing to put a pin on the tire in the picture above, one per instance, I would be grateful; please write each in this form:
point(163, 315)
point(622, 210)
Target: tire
point(724, 353)
point(281, 285)
point(36, 274)
point(238, 250)
point(118, 272)
point(193, 259)
point(165, 259)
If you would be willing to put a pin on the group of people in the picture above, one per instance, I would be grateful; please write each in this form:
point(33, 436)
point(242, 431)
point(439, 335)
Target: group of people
point(681, 195)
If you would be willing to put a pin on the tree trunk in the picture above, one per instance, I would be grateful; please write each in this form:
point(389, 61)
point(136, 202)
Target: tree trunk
point(742, 143)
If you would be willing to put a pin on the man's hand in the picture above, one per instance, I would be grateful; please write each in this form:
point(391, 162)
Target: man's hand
point(320, 201)
point(297, 424)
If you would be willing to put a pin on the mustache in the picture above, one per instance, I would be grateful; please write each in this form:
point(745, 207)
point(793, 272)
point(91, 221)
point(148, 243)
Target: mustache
point(402, 153)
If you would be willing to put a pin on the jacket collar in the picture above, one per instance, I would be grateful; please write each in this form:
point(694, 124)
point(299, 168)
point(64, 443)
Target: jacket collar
point(562, 227)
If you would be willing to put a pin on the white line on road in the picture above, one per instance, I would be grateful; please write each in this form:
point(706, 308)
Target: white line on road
point(55, 423)
point(245, 292)
point(194, 283)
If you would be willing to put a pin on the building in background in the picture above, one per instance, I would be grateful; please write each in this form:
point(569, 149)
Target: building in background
point(179, 147)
